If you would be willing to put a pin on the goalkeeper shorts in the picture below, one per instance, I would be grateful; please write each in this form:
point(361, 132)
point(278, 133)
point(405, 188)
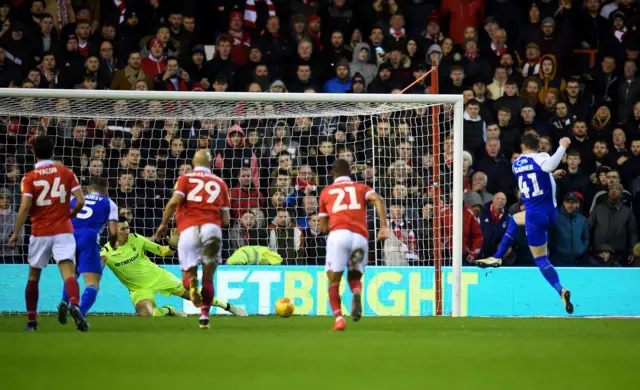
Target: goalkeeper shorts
point(168, 285)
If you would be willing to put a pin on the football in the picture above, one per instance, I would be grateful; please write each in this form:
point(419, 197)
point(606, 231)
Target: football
point(284, 307)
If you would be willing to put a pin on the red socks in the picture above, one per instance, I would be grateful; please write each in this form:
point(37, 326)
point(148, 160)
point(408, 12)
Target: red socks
point(207, 292)
point(186, 282)
point(334, 299)
point(356, 286)
point(207, 297)
point(31, 297)
point(73, 290)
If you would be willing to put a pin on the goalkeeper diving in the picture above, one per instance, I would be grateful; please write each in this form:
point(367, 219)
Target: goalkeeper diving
point(143, 278)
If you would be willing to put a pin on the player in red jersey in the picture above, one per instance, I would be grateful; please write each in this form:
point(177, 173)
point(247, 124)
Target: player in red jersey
point(51, 187)
point(343, 213)
point(202, 201)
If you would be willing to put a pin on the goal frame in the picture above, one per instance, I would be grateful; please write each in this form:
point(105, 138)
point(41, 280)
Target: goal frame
point(455, 100)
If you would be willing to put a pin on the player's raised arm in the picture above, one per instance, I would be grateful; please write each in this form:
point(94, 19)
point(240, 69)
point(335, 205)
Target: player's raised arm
point(377, 201)
point(152, 247)
point(552, 163)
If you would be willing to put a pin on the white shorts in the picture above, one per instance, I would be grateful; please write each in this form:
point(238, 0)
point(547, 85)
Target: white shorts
point(346, 249)
point(192, 242)
point(60, 247)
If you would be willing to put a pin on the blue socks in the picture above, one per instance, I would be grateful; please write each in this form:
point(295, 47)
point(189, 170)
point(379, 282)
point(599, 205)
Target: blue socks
point(507, 239)
point(89, 298)
point(549, 272)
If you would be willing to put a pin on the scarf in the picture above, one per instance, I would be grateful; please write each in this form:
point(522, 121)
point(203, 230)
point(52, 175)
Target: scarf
point(620, 34)
point(471, 56)
point(498, 52)
point(408, 238)
point(251, 14)
point(63, 14)
point(240, 37)
point(397, 34)
point(496, 216)
point(122, 7)
point(528, 67)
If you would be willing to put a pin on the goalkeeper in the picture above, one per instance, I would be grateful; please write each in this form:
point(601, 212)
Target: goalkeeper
point(145, 279)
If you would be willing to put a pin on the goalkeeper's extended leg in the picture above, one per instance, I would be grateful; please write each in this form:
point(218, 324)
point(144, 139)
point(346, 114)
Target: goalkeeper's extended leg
point(231, 308)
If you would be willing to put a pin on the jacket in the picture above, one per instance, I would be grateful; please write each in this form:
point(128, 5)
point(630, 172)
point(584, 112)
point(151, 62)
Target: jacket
point(492, 232)
point(367, 70)
point(613, 224)
point(569, 238)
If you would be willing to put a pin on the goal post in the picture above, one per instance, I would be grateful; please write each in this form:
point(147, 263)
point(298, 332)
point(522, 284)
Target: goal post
point(141, 141)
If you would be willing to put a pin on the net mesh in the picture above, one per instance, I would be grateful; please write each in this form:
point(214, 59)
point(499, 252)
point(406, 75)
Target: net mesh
point(271, 154)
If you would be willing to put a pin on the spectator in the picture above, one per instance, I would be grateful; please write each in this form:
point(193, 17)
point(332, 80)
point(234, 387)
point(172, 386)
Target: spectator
point(247, 232)
point(575, 179)
point(361, 62)
point(8, 217)
point(570, 235)
point(401, 248)
point(244, 195)
point(613, 223)
point(156, 62)
point(342, 82)
point(286, 239)
point(493, 223)
point(126, 78)
point(604, 256)
point(315, 245)
point(236, 155)
point(613, 178)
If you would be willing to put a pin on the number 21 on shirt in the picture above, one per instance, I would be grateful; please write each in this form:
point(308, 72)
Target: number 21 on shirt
point(341, 192)
point(524, 187)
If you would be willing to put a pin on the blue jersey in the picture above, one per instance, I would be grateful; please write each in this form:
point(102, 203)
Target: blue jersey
point(87, 225)
point(97, 211)
point(537, 187)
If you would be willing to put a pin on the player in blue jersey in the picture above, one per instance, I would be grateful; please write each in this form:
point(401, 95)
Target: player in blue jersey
point(534, 173)
point(87, 225)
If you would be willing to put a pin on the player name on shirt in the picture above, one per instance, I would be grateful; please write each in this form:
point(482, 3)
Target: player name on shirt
point(46, 171)
point(526, 168)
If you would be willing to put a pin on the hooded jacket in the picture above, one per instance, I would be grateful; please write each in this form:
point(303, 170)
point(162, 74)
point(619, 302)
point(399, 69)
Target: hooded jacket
point(365, 68)
point(231, 159)
point(551, 83)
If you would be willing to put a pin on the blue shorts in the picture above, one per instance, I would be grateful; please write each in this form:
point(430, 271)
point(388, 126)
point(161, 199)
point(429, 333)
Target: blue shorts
point(88, 255)
point(537, 223)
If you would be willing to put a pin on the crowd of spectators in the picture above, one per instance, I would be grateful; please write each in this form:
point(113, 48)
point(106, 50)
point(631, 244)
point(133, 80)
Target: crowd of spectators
point(556, 67)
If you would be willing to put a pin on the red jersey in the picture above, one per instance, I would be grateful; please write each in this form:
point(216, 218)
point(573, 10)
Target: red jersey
point(345, 203)
point(50, 186)
point(205, 196)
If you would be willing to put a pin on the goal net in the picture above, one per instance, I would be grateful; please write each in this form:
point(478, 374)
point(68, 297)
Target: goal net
point(275, 152)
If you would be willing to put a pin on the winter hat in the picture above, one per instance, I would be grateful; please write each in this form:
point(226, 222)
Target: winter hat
point(278, 83)
point(550, 20)
point(342, 62)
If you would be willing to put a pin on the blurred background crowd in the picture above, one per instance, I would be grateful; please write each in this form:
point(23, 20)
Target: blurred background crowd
point(560, 68)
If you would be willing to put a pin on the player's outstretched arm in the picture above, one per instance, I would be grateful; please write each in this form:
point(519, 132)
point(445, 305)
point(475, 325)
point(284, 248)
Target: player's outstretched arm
point(154, 248)
point(552, 163)
point(23, 214)
point(377, 201)
point(169, 210)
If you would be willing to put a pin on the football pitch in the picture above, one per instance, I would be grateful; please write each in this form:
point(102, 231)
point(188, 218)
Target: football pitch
point(302, 353)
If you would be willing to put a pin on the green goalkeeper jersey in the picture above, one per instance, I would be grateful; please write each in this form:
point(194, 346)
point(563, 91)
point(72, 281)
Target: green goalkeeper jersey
point(130, 264)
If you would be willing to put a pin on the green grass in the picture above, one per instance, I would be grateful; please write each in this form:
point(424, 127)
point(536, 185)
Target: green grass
point(121, 353)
